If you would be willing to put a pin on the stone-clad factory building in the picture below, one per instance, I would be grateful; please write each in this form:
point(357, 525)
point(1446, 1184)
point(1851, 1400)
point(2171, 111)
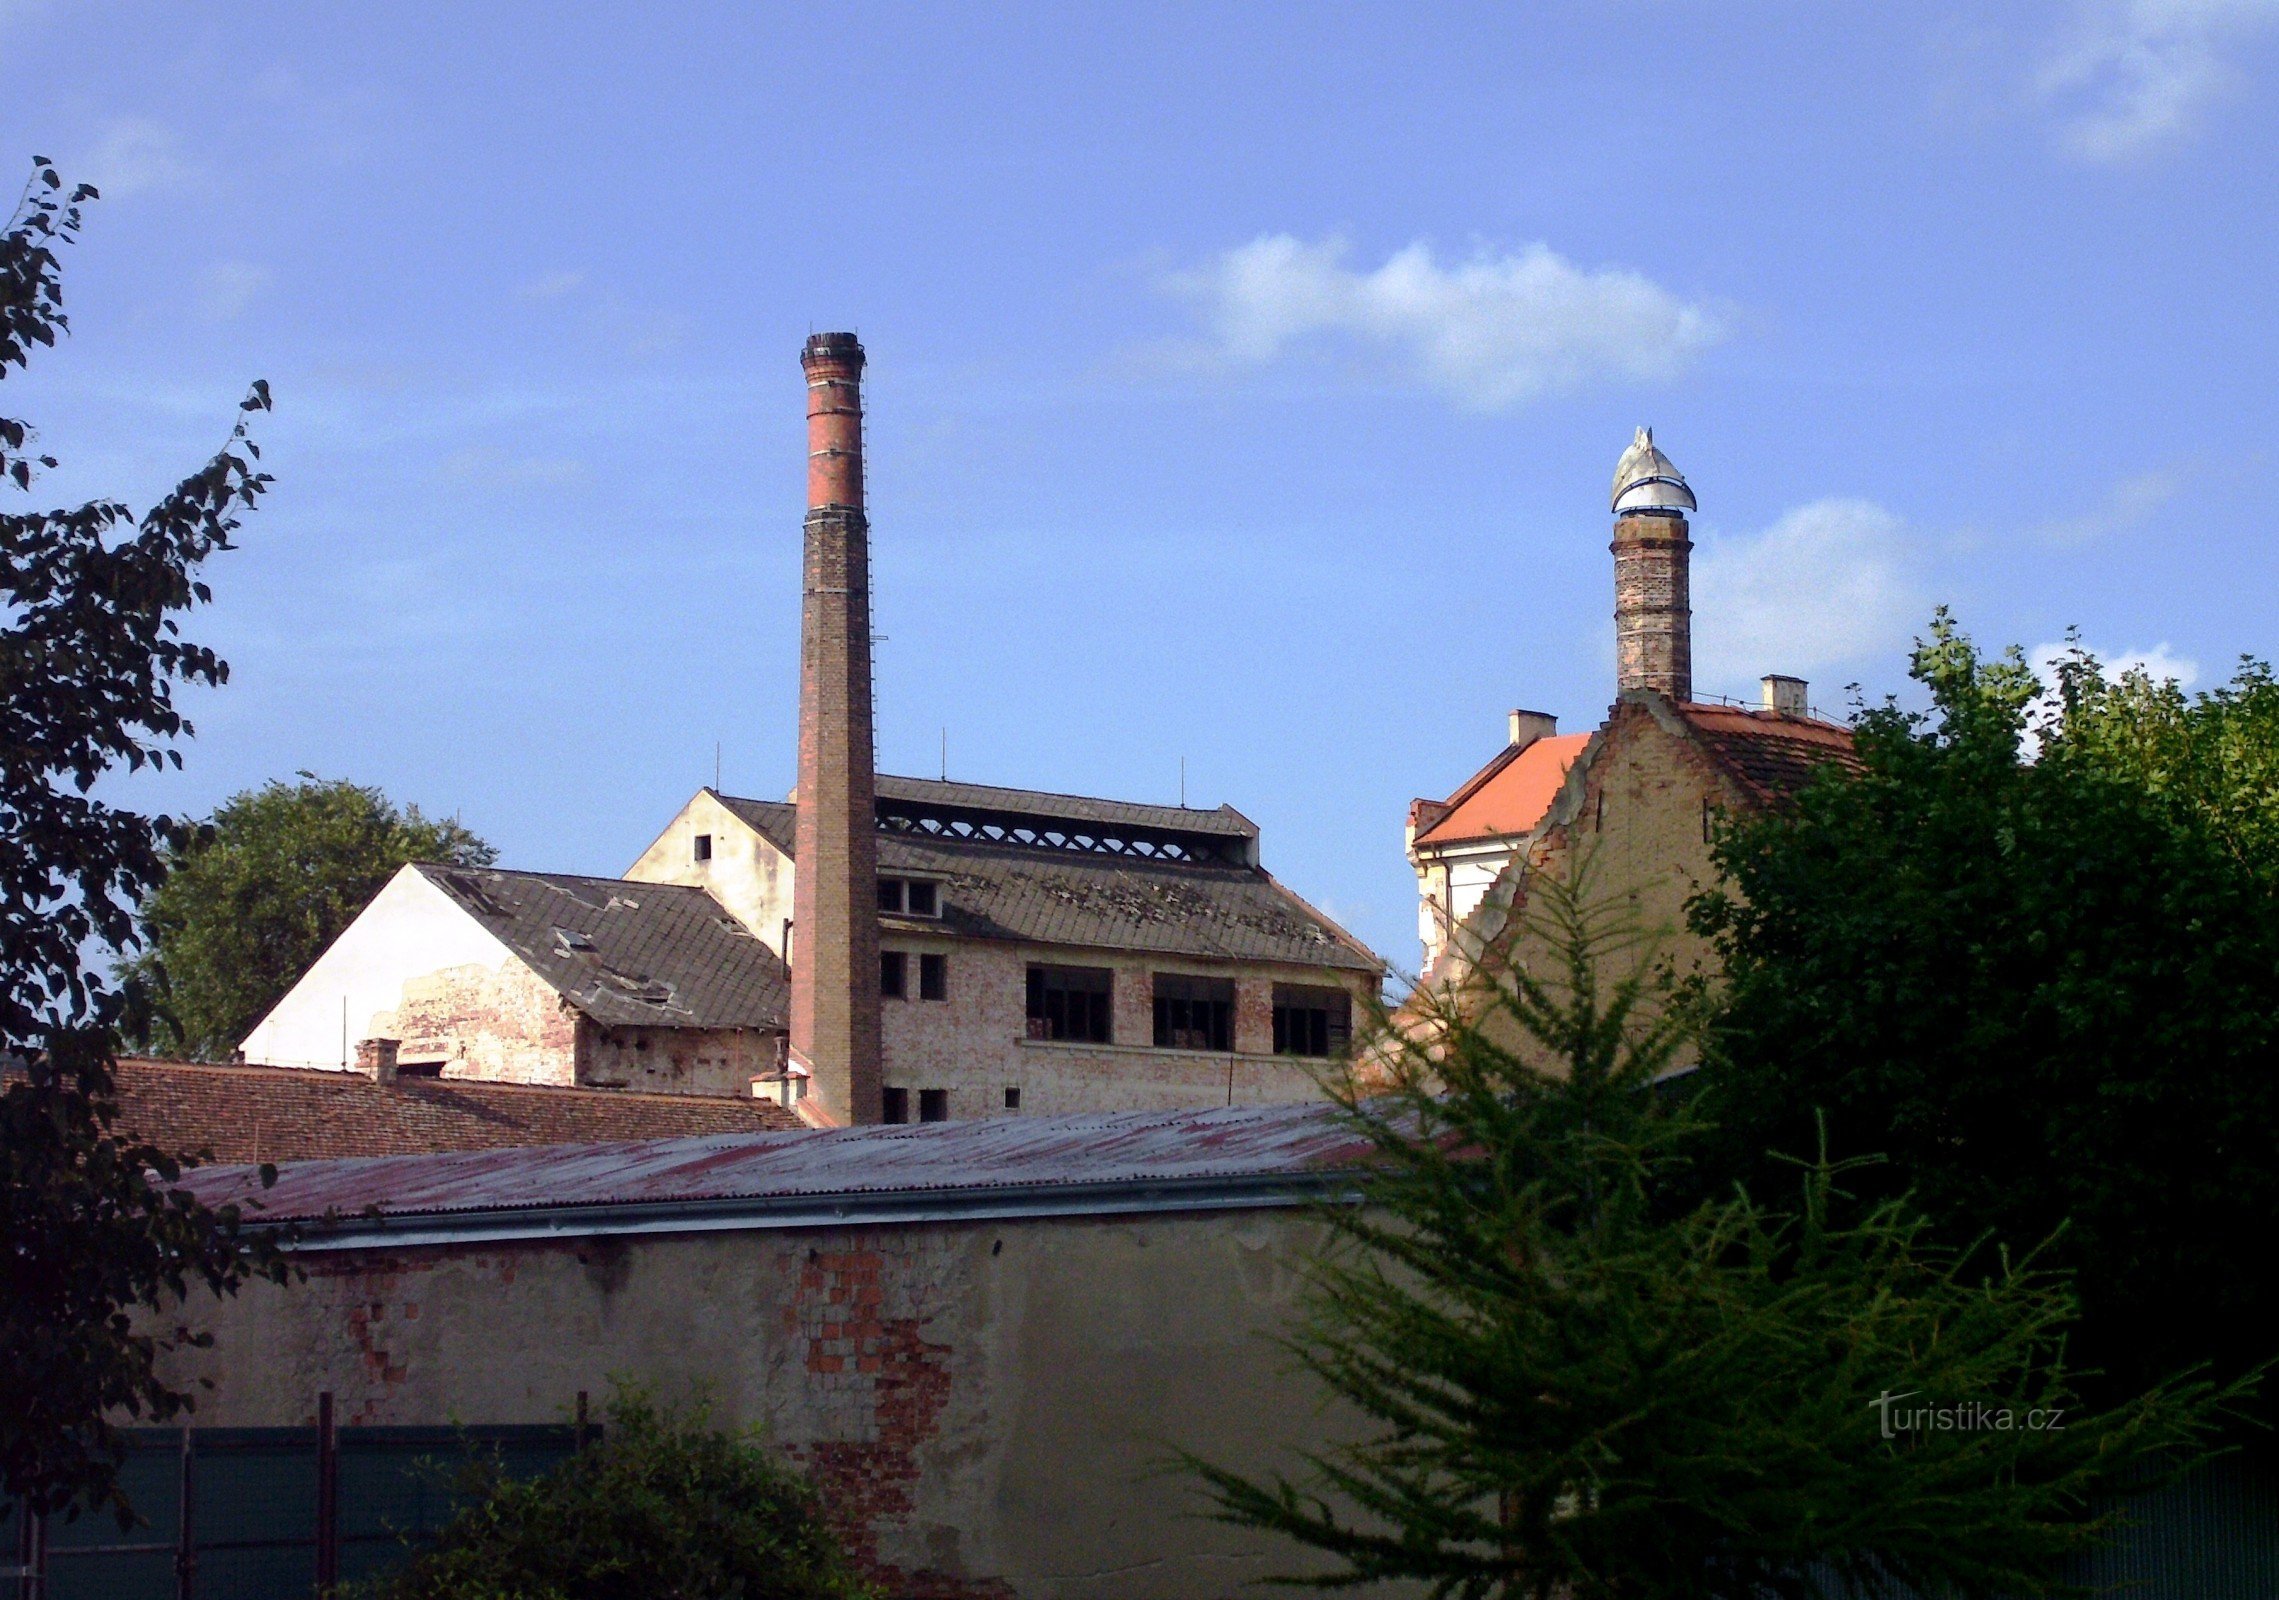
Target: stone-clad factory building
point(873, 948)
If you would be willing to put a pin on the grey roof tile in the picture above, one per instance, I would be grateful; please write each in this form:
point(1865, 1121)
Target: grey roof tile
point(645, 955)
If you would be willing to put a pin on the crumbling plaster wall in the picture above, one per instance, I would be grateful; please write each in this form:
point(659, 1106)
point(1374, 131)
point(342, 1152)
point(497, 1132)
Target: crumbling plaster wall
point(983, 1403)
point(975, 1043)
point(501, 1024)
point(674, 1060)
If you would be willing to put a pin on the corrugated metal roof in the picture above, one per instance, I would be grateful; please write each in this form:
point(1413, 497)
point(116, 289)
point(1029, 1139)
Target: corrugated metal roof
point(1096, 1157)
point(1106, 902)
point(641, 955)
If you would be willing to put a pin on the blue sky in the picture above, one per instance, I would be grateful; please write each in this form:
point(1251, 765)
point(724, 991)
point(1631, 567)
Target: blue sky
point(1245, 381)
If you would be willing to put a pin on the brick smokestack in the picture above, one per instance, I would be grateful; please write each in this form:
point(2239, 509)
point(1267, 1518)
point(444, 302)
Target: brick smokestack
point(1653, 599)
point(834, 936)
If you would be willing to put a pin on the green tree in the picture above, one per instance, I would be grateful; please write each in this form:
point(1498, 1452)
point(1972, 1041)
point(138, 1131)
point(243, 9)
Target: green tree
point(664, 1507)
point(254, 895)
point(1572, 1382)
point(95, 1228)
point(2041, 981)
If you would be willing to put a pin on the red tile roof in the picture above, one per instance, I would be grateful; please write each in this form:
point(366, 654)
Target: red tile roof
point(1770, 755)
point(1509, 795)
point(246, 1113)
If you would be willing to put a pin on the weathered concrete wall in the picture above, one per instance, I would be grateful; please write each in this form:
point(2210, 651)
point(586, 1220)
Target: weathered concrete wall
point(983, 1402)
point(411, 926)
point(501, 1024)
point(674, 1060)
point(750, 877)
point(975, 1043)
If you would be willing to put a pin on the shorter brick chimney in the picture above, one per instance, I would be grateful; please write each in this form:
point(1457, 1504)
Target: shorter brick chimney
point(1785, 695)
point(377, 1058)
point(1529, 726)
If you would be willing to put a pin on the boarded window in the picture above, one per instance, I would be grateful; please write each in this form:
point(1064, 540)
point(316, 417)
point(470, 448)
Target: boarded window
point(933, 977)
point(893, 974)
point(1070, 1003)
point(933, 1105)
point(1193, 1013)
point(704, 847)
point(1311, 1022)
point(897, 1108)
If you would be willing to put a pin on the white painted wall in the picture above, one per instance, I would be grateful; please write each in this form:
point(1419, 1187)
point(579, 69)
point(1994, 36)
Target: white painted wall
point(410, 928)
point(1463, 874)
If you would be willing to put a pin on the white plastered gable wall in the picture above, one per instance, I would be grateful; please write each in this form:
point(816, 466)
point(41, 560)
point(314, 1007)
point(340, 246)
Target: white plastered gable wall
point(410, 929)
point(750, 877)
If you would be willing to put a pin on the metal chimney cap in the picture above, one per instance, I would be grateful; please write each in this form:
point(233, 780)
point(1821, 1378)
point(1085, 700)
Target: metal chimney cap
point(1647, 480)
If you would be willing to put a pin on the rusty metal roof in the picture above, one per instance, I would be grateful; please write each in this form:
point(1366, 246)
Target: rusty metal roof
point(1122, 1162)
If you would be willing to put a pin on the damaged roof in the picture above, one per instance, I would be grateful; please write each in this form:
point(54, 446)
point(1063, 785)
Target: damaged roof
point(1100, 1162)
point(1770, 754)
point(628, 955)
point(1043, 894)
point(252, 1114)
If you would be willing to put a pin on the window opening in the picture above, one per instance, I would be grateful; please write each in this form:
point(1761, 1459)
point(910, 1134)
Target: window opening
point(1193, 1013)
point(897, 1106)
point(1070, 1003)
point(890, 894)
point(1012, 1098)
point(933, 1105)
point(933, 977)
point(704, 847)
point(922, 899)
point(1311, 1022)
point(893, 974)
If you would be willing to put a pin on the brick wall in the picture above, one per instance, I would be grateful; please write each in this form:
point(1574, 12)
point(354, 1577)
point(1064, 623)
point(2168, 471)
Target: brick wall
point(503, 1024)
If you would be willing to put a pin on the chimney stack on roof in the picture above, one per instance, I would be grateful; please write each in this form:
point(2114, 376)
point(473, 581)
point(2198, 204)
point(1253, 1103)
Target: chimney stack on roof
point(1785, 695)
point(1529, 726)
point(376, 1058)
point(834, 936)
point(1653, 604)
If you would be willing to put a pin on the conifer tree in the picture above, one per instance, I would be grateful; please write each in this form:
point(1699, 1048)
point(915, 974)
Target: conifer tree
point(1566, 1380)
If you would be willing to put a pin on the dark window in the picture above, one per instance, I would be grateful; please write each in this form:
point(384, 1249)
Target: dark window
point(704, 847)
point(890, 894)
point(933, 977)
point(1012, 1099)
point(922, 900)
point(893, 974)
point(897, 1106)
point(933, 1105)
point(1193, 1013)
point(1069, 1003)
point(1311, 1022)
point(419, 1069)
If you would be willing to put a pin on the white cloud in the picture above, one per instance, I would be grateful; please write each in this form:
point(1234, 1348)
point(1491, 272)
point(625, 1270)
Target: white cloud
point(552, 285)
point(2136, 76)
point(2156, 663)
point(226, 288)
point(134, 154)
point(1489, 331)
point(487, 466)
point(1829, 582)
point(2127, 505)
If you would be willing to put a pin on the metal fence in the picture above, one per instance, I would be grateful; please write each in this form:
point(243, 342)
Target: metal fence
point(264, 1513)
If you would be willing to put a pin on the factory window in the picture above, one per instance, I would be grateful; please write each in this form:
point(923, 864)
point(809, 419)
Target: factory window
point(933, 977)
point(890, 894)
point(897, 1107)
point(921, 899)
point(933, 1105)
point(1012, 1098)
point(1311, 1022)
point(1193, 1013)
point(704, 847)
point(893, 974)
point(1070, 1003)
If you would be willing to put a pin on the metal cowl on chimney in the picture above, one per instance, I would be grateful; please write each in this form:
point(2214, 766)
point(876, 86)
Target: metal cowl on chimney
point(1653, 599)
point(834, 947)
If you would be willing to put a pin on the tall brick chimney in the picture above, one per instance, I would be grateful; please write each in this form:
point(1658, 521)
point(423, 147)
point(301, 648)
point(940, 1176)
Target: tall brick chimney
point(834, 937)
point(1653, 603)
